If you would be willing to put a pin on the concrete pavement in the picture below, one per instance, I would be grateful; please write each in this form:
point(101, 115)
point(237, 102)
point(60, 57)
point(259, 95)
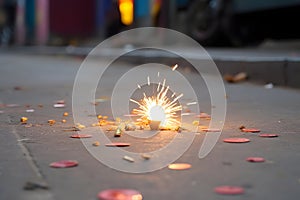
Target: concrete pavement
point(30, 80)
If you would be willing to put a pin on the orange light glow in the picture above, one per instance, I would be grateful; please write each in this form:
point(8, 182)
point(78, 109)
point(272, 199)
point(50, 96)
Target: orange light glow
point(126, 11)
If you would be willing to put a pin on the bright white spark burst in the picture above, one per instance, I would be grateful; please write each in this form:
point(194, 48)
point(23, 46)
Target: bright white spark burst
point(159, 107)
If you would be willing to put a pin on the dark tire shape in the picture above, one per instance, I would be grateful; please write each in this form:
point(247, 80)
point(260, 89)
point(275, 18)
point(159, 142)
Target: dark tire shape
point(204, 23)
point(240, 31)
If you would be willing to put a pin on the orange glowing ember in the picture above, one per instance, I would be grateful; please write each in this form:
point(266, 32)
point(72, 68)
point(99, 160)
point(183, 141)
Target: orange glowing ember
point(160, 107)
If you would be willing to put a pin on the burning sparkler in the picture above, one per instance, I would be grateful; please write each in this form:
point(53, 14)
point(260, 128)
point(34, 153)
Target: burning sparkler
point(159, 107)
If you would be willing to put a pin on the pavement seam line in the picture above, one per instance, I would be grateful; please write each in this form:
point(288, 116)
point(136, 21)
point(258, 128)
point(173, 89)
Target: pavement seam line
point(27, 154)
point(33, 165)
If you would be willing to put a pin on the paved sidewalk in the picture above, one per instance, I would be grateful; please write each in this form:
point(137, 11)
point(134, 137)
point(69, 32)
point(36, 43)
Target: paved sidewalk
point(31, 80)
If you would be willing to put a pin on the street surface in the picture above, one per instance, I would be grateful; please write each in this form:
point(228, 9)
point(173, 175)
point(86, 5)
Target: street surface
point(36, 82)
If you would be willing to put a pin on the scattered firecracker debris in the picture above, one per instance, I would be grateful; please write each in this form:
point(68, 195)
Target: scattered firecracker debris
point(96, 143)
point(117, 144)
point(112, 128)
point(201, 128)
point(28, 125)
point(128, 158)
point(211, 130)
point(60, 101)
point(80, 126)
point(18, 88)
point(81, 136)
point(195, 123)
point(119, 194)
point(268, 135)
point(250, 130)
point(24, 120)
point(203, 115)
point(242, 127)
point(118, 132)
point(57, 105)
point(51, 122)
point(179, 166)
point(12, 105)
point(179, 129)
point(146, 156)
point(35, 185)
point(64, 164)
point(66, 114)
point(130, 127)
point(71, 129)
point(242, 76)
point(236, 140)
point(95, 124)
point(229, 190)
point(102, 99)
point(255, 159)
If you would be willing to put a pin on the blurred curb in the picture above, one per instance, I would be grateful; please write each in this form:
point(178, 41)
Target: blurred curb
point(262, 66)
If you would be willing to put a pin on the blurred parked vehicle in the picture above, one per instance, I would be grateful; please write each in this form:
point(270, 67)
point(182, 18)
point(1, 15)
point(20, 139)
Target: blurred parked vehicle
point(242, 22)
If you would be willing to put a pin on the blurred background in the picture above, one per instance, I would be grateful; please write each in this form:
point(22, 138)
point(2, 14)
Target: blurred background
point(86, 22)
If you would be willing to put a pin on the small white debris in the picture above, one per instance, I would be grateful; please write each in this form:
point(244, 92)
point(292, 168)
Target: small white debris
point(58, 105)
point(129, 159)
point(268, 86)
